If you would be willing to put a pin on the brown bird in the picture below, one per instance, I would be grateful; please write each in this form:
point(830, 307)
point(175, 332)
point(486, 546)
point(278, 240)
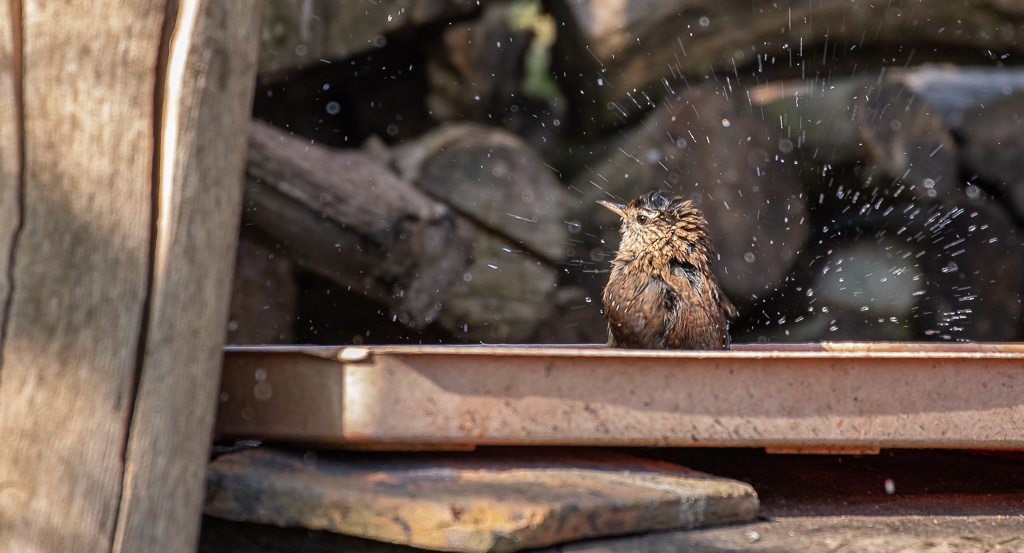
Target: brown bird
point(661, 293)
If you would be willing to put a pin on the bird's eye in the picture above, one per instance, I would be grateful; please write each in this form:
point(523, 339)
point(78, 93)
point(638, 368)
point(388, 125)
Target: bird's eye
point(642, 219)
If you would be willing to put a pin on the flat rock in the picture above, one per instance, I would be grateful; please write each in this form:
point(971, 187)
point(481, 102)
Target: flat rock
point(493, 500)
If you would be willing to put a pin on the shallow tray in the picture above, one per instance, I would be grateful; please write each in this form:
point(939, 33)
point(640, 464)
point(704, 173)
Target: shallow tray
point(820, 397)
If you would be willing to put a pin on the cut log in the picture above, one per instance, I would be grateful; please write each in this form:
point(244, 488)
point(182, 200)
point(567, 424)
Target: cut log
point(502, 297)
point(479, 69)
point(621, 58)
point(993, 136)
point(860, 288)
point(516, 210)
point(495, 69)
point(348, 218)
point(264, 295)
point(974, 269)
point(959, 92)
point(907, 147)
point(301, 33)
point(127, 169)
point(494, 178)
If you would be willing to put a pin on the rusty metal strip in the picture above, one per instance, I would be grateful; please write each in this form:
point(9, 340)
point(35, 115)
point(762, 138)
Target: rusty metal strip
point(831, 395)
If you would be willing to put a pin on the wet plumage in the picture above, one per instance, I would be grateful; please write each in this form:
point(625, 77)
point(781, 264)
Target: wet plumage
point(661, 293)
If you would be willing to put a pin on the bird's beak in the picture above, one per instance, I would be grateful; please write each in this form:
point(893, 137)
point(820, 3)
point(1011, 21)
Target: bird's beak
point(619, 209)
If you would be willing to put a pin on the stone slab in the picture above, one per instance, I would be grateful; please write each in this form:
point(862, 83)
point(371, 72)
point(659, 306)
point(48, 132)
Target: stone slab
point(500, 500)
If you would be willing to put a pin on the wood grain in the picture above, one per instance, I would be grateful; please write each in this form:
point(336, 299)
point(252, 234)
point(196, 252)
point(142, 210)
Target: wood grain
point(206, 103)
point(350, 219)
point(10, 150)
point(118, 266)
point(80, 271)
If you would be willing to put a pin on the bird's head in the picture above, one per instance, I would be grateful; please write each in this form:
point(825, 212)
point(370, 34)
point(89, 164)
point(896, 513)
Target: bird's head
point(660, 222)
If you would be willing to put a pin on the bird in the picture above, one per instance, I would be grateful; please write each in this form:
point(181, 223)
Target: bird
point(661, 293)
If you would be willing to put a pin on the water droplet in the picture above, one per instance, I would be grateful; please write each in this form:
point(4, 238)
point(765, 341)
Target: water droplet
point(704, 21)
point(262, 391)
point(333, 108)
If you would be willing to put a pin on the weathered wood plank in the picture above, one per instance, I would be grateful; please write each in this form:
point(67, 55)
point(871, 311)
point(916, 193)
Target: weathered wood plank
point(206, 100)
point(119, 265)
point(80, 270)
point(10, 148)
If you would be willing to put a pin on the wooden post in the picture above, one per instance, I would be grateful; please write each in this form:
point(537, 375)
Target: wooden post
point(122, 133)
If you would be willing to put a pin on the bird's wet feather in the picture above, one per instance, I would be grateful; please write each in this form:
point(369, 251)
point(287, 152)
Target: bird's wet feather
point(661, 292)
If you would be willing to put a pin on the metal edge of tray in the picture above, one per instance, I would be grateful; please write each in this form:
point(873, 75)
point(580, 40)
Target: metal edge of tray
point(830, 395)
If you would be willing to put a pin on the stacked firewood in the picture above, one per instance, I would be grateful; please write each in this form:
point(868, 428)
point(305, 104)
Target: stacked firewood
point(430, 174)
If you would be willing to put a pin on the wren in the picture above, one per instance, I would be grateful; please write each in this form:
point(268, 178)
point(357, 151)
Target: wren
point(661, 293)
